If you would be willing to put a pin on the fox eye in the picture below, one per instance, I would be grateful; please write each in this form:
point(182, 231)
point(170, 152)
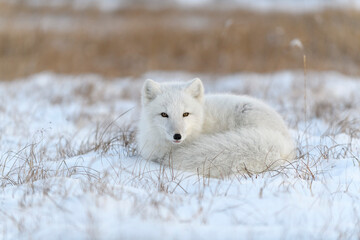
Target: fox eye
point(164, 115)
point(186, 114)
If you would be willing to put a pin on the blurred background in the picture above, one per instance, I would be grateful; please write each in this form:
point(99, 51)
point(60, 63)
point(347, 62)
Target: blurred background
point(130, 37)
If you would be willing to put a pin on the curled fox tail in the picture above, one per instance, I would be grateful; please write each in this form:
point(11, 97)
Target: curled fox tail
point(248, 150)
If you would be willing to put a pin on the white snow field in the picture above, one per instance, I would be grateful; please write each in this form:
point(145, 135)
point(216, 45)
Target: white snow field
point(69, 167)
point(259, 5)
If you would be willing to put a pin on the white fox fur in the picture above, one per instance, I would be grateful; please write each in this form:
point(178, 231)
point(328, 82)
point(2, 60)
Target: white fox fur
point(221, 135)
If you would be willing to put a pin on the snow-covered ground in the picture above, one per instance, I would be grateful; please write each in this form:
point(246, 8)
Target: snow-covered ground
point(69, 167)
point(260, 5)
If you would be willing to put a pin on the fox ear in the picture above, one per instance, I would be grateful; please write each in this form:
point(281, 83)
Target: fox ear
point(195, 88)
point(149, 91)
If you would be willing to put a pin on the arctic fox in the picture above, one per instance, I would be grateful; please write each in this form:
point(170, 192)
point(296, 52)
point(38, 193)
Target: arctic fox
point(212, 135)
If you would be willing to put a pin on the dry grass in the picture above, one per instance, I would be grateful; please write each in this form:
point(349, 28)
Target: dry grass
point(134, 41)
point(33, 162)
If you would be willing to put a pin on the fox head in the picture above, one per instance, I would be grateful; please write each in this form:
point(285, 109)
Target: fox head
point(174, 110)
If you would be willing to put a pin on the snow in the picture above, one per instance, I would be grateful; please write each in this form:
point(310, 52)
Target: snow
point(296, 43)
point(259, 5)
point(67, 174)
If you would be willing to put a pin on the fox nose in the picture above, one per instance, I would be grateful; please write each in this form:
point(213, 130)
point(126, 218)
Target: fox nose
point(177, 136)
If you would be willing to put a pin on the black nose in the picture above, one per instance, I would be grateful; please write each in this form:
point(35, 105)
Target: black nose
point(177, 136)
